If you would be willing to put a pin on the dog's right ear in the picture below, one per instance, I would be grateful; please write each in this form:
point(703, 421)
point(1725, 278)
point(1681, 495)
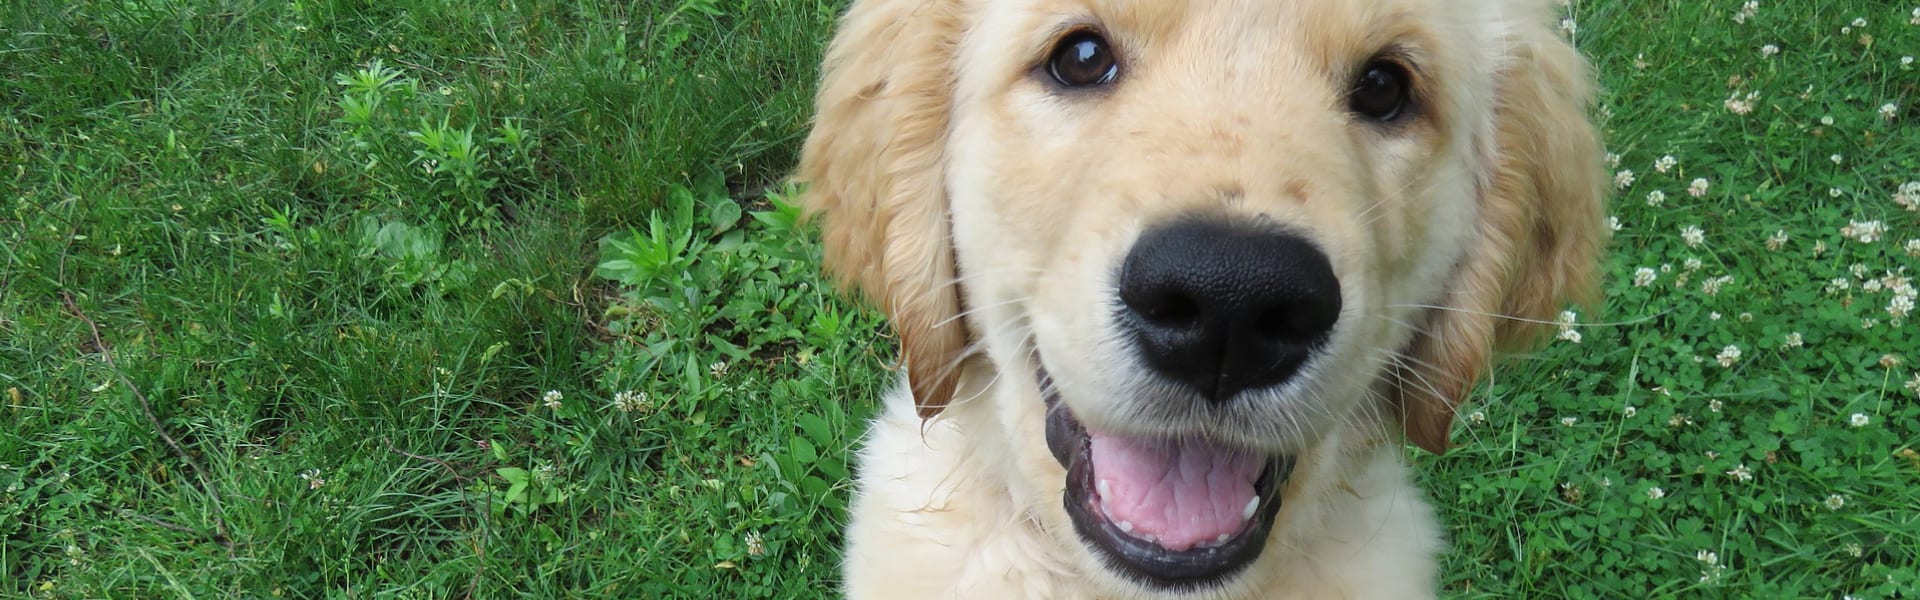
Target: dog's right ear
point(874, 173)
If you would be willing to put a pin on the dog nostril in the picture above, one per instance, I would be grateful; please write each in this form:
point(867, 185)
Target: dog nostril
point(1169, 308)
point(1298, 324)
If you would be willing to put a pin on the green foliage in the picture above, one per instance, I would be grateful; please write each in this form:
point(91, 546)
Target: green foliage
point(1739, 420)
point(413, 256)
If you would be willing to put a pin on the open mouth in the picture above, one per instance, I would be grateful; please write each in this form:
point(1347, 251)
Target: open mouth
point(1172, 512)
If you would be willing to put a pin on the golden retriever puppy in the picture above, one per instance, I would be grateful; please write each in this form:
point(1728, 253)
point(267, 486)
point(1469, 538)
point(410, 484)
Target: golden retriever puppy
point(1175, 281)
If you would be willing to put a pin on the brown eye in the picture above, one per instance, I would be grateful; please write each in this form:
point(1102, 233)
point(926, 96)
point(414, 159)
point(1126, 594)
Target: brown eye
point(1382, 92)
point(1083, 59)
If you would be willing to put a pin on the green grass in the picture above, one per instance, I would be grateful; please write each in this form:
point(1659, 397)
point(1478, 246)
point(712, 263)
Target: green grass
point(341, 252)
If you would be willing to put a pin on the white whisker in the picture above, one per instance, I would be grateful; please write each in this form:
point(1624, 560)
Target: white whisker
point(1533, 321)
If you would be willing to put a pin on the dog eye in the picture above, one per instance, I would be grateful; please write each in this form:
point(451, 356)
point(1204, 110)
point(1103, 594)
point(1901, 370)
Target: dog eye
point(1382, 91)
point(1083, 59)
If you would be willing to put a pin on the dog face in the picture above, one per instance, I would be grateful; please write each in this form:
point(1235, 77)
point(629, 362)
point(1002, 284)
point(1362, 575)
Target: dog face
point(1220, 241)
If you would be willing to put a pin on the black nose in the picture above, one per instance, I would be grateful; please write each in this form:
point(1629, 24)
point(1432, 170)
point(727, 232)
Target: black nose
point(1226, 307)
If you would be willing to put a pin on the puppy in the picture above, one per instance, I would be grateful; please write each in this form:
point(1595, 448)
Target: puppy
point(1174, 281)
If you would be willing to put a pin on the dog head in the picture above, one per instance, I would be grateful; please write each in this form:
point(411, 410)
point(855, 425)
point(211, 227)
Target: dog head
point(1213, 235)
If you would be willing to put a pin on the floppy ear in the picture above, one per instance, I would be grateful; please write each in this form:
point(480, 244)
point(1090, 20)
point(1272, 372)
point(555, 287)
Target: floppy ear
point(1539, 237)
point(874, 168)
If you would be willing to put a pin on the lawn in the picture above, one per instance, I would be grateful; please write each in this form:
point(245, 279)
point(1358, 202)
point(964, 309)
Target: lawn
point(424, 299)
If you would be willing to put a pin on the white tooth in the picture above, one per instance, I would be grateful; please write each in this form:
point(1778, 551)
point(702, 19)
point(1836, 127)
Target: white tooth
point(1104, 488)
point(1150, 539)
point(1126, 527)
point(1222, 539)
point(1252, 505)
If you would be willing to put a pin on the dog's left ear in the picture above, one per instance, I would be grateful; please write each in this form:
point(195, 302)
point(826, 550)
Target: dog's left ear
point(1539, 239)
point(874, 165)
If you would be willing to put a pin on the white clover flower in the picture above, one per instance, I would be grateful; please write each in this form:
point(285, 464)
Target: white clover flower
point(1711, 286)
point(1889, 111)
point(1865, 232)
point(632, 402)
point(1908, 196)
point(1793, 340)
point(1741, 473)
point(1707, 556)
point(1728, 356)
point(1913, 247)
point(1613, 160)
point(1477, 417)
point(1916, 17)
point(1613, 224)
point(1859, 420)
point(1741, 105)
point(1827, 120)
point(1836, 501)
point(1769, 50)
point(1713, 316)
point(1665, 163)
point(755, 545)
point(1655, 493)
point(1629, 412)
point(1778, 240)
point(1693, 235)
point(1714, 405)
point(1837, 159)
point(1906, 62)
point(551, 399)
point(1642, 277)
point(1835, 192)
point(718, 368)
point(1747, 11)
point(1913, 386)
point(1656, 198)
point(1568, 27)
point(1900, 306)
point(1623, 178)
point(1859, 22)
point(312, 476)
point(1690, 264)
point(1567, 332)
point(1569, 421)
point(1698, 188)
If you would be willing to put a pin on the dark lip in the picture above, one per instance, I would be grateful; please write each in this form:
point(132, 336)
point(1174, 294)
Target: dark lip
point(1146, 562)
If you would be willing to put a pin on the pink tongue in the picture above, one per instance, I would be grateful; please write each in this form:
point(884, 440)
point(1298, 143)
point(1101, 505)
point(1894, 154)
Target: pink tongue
point(1179, 493)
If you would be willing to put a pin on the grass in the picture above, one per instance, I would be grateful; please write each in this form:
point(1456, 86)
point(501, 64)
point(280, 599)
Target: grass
point(502, 299)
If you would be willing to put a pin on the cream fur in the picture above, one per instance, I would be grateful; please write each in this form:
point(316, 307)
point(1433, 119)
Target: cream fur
point(985, 211)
